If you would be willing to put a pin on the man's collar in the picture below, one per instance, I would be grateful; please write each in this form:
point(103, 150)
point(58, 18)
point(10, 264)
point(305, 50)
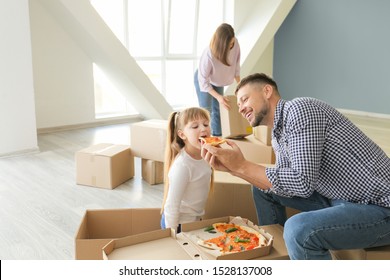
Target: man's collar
point(278, 117)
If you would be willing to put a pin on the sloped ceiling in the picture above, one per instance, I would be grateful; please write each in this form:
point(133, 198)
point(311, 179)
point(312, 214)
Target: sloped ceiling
point(87, 28)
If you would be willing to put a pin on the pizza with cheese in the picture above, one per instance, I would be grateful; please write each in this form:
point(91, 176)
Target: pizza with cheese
point(233, 238)
point(212, 140)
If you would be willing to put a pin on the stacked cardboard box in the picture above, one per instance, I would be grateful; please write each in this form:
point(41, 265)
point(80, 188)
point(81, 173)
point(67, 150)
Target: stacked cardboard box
point(230, 196)
point(263, 134)
point(254, 150)
point(152, 171)
point(148, 138)
point(233, 124)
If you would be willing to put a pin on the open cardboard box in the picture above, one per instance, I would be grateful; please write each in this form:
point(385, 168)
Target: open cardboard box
point(98, 227)
point(164, 244)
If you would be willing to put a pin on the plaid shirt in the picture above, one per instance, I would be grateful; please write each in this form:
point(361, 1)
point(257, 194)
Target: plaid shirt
point(319, 149)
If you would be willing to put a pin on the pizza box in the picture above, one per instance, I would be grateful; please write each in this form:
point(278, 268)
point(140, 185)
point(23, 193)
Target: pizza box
point(194, 231)
point(166, 245)
point(161, 244)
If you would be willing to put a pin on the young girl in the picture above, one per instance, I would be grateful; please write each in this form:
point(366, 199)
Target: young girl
point(219, 66)
point(188, 177)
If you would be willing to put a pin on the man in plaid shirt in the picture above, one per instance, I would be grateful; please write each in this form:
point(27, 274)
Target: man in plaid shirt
point(325, 166)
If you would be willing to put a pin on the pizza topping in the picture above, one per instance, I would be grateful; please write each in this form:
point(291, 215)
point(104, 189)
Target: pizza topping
point(213, 140)
point(230, 230)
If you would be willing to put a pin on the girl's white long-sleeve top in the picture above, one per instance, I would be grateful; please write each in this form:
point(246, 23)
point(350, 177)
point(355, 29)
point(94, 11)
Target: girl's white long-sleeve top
point(189, 184)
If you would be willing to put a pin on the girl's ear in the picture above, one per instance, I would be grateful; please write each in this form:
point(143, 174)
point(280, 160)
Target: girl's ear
point(181, 134)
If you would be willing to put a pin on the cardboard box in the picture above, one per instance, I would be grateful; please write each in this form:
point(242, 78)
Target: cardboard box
point(231, 196)
point(152, 171)
point(263, 133)
point(233, 124)
point(104, 165)
point(99, 227)
point(279, 249)
point(254, 150)
point(377, 253)
point(148, 138)
point(164, 244)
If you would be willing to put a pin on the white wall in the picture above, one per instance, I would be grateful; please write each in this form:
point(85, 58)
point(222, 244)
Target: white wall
point(17, 107)
point(63, 76)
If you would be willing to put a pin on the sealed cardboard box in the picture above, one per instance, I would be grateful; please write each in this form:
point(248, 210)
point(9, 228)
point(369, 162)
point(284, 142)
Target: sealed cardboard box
point(231, 196)
point(263, 133)
point(104, 165)
point(164, 244)
point(233, 124)
point(254, 150)
point(152, 171)
point(148, 138)
point(99, 227)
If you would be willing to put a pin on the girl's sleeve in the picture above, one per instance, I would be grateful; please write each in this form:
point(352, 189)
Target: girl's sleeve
point(178, 181)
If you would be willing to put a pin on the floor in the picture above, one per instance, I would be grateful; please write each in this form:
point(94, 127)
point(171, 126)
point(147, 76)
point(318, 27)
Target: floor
point(41, 205)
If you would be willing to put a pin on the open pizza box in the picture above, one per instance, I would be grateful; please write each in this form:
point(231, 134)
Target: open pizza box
point(167, 245)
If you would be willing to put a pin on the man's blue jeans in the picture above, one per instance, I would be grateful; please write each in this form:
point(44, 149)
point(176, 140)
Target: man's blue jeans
point(211, 104)
point(324, 224)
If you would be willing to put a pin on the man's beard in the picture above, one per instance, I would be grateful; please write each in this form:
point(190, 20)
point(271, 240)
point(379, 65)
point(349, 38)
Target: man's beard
point(259, 117)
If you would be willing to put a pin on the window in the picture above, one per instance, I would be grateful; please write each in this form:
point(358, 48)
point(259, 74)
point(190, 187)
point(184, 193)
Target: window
point(108, 100)
point(166, 40)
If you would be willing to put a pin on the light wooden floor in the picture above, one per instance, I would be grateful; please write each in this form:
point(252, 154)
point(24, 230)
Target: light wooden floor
point(41, 206)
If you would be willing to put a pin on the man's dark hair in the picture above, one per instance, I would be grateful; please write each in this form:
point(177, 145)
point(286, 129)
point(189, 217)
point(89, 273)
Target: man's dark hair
point(258, 78)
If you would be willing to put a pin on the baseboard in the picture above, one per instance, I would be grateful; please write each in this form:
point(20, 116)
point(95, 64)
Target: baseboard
point(364, 114)
point(101, 122)
point(20, 153)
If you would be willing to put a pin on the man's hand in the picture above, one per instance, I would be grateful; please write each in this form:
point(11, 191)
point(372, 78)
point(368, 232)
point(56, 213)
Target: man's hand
point(229, 160)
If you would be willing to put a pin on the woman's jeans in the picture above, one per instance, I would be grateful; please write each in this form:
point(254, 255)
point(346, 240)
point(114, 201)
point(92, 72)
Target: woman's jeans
point(211, 104)
point(324, 224)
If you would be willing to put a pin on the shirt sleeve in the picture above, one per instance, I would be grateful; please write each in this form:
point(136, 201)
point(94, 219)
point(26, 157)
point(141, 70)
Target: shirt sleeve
point(296, 173)
point(178, 180)
point(204, 72)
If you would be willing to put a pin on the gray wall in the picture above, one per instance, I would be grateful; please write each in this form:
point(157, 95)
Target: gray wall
point(337, 51)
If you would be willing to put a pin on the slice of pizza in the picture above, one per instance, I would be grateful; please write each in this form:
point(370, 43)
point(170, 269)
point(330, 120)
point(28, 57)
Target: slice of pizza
point(212, 140)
